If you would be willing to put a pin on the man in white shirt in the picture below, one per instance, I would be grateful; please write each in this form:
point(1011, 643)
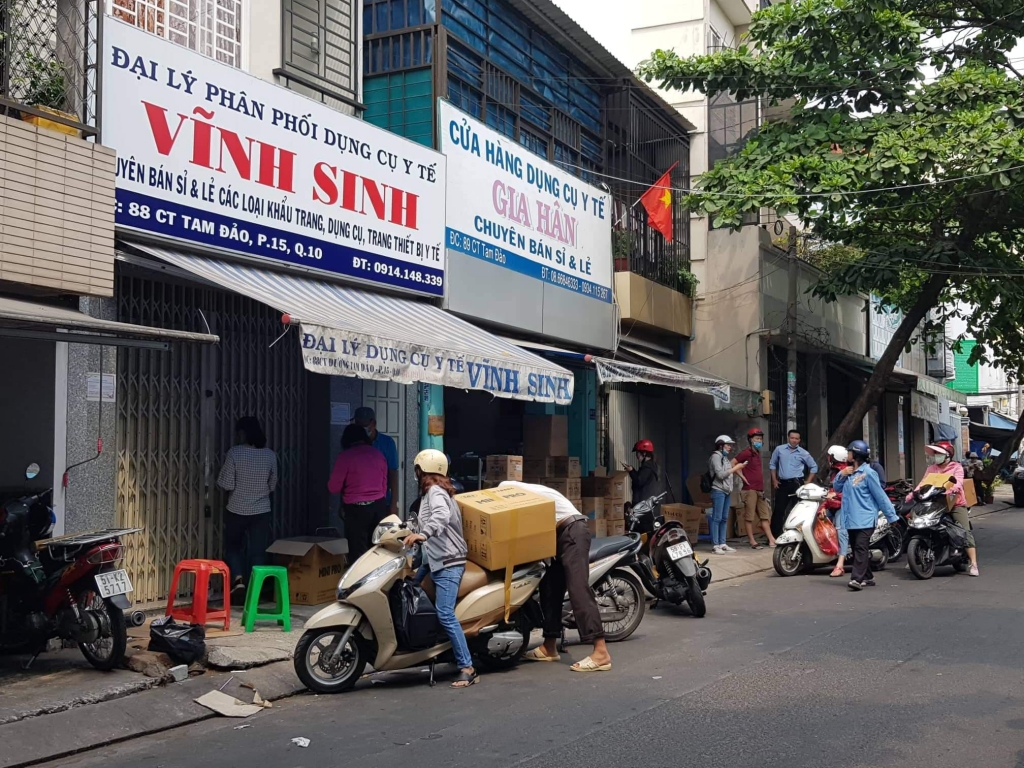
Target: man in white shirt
point(570, 569)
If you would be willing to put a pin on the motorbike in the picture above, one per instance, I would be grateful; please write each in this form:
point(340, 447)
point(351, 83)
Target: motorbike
point(797, 551)
point(667, 566)
point(897, 493)
point(935, 538)
point(619, 594)
point(67, 588)
point(341, 639)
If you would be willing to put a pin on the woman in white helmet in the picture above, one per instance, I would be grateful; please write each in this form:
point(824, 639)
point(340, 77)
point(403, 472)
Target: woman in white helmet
point(444, 551)
point(838, 460)
point(723, 481)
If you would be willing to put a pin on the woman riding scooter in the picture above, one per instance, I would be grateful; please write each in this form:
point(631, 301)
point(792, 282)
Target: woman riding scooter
point(940, 459)
point(444, 551)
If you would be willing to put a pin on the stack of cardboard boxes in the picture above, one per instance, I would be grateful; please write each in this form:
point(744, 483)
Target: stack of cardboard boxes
point(502, 467)
point(604, 498)
point(546, 459)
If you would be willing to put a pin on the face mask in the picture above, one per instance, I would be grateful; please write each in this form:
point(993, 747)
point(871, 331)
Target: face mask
point(936, 459)
point(758, 445)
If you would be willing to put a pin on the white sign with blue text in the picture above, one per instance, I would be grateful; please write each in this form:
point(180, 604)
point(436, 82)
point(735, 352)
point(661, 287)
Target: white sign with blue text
point(212, 156)
point(509, 207)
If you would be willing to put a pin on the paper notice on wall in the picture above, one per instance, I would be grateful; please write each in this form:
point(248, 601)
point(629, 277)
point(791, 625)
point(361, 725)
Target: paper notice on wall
point(94, 387)
point(341, 413)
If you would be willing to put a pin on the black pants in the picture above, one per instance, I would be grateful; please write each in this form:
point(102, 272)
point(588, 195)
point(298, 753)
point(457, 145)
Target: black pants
point(360, 520)
point(783, 503)
point(860, 544)
point(571, 569)
point(246, 538)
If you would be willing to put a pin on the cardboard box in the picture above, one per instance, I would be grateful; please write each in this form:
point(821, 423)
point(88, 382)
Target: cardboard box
point(578, 503)
point(598, 528)
point(600, 472)
point(617, 487)
point(535, 470)
point(567, 486)
point(502, 467)
point(613, 510)
point(594, 486)
point(315, 565)
point(700, 498)
point(616, 527)
point(593, 507)
point(552, 466)
point(507, 526)
point(970, 492)
point(545, 436)
point(686, 515)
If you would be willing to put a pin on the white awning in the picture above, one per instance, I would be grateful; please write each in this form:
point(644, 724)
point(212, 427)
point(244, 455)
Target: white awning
point(348, 331)
point(34, 320)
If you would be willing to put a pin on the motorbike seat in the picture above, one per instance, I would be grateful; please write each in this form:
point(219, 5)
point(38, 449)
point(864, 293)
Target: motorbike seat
point(474, 578)
point(601, 548)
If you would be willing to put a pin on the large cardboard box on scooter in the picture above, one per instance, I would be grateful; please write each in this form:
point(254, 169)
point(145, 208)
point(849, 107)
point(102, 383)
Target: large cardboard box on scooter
point(946, 481)
point(507, 526)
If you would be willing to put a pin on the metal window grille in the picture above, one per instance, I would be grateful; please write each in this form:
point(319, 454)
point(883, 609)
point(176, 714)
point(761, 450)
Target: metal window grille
point(319, 39)
point(210, 27)
point(49, 60)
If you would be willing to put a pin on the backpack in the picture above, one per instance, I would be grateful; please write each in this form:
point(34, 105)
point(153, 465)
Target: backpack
point(706, 481)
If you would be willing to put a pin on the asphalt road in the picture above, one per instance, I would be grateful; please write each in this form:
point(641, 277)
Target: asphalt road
point(782, 672)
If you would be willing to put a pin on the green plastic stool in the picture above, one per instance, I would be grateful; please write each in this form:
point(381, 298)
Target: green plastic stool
point(282, 612)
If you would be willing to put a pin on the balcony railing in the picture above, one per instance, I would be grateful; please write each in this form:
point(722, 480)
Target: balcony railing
point(49, 57)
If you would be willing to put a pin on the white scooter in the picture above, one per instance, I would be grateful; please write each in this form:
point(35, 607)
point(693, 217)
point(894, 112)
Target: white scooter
point(797, 550)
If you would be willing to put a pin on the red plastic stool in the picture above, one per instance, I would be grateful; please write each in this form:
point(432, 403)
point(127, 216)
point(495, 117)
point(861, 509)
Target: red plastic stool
point(197, 612)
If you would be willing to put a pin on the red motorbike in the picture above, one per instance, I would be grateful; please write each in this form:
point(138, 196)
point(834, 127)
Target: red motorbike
point(68, 588)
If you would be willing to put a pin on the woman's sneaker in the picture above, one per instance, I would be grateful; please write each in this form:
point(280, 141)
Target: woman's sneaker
point(727, 548)
point(717, 550)
point(974, 571)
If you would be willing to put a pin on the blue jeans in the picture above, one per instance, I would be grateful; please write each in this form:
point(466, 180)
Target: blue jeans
point(718, 520)
point(844, 536)
point(446, 586)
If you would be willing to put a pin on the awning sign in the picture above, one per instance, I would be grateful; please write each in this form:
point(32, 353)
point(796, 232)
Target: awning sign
point(614, 371)
point(212, 156)
point(924, 407)
point(331, 351)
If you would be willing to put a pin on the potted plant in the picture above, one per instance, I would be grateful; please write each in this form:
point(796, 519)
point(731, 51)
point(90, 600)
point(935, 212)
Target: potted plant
point(621, 247)
point(45, 88)
point(687, 282)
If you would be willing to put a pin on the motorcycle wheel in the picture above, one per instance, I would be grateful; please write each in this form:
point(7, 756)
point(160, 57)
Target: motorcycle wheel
point(695, 598)
point(624, 584)
point(896, 541)
point(106, 652)
point(788, 560)
point(338, 677)
point(493, 663)
point(921, 559)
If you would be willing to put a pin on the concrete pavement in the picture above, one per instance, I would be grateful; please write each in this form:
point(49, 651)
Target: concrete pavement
point(795, 672)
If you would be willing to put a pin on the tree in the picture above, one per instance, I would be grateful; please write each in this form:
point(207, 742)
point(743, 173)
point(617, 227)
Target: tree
point(904, 143)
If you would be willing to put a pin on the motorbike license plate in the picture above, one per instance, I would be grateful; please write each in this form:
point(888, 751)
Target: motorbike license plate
point(681, 550)
point(113, 583)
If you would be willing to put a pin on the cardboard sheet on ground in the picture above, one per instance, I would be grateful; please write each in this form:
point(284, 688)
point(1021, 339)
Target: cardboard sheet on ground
point(228, 706)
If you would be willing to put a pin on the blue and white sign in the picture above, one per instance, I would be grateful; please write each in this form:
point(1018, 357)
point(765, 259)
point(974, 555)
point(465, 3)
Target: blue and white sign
point(512, 209)
point(212, 156)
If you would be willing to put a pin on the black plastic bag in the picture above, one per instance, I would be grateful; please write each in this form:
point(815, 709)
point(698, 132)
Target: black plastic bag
point(957, 535)
point(415, 617)
point(184, 643)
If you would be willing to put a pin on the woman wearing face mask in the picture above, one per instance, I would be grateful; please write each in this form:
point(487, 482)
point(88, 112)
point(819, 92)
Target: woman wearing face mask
point(838, 460)
point(940, 457)
point(723, 473)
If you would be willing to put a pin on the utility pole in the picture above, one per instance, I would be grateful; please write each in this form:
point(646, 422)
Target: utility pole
point(791, 318)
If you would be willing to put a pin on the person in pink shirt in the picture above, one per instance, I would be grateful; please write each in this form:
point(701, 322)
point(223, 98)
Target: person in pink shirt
point(360, 475)
point(940, 459)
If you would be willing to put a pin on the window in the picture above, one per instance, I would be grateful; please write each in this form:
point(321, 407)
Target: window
point(730, 124)
point(319, 53)
point(210, 27)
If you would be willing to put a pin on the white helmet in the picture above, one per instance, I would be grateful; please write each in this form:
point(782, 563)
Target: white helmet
point(839, 454)
point(724, 439)
point(431, 462)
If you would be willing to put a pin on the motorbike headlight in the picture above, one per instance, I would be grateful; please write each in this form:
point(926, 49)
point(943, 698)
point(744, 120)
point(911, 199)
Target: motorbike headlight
point(395, 564)
point(925, 521)
point(379, 532)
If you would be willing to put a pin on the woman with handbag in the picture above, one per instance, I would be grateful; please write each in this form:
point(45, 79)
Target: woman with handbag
point(444, 551)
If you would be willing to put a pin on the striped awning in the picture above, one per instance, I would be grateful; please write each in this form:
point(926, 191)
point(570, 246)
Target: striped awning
point(348, 331)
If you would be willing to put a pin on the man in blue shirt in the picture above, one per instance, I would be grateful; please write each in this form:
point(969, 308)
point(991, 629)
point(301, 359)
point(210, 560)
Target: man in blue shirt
point(789, 465)
point(863, 497)
point(367, 419)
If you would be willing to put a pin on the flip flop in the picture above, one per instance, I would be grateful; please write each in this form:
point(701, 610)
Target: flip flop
point(589, 665)
point(469, 678)
point(837, 572)
point(756, 546)
point(537, 654)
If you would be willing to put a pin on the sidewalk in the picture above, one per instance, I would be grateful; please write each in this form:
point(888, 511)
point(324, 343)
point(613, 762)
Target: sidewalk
point(743, 562)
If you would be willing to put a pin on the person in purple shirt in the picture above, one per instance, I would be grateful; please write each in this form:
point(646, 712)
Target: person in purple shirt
point(360, 475)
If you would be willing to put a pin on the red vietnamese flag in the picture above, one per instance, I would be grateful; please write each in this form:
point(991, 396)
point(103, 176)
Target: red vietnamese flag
point(658, 202)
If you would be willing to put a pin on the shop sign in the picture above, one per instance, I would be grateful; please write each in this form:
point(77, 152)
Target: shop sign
point(211, 156)
point(924, 407)
point(508, 207)
point(327, 350)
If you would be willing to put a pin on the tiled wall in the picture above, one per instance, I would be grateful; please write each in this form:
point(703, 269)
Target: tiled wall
point(56, 210)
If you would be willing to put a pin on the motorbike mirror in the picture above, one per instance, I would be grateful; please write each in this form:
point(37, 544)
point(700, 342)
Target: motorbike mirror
point(32, 470)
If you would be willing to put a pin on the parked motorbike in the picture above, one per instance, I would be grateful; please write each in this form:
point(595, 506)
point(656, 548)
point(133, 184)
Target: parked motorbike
point(619, 594)
point(935, 537)
point(341, 639)
point(68, 588)
point(797, 551)
point(667, 565)
point(897, 493)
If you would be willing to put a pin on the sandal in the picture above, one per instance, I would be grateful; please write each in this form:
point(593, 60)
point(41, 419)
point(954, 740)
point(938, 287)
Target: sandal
point(756, 546)
point(537, 654)
point(465, 679)
point(837, 572)
point(589, 665)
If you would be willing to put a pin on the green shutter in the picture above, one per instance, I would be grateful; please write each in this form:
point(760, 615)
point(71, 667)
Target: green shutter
point(402, 102)
point(966, 380)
